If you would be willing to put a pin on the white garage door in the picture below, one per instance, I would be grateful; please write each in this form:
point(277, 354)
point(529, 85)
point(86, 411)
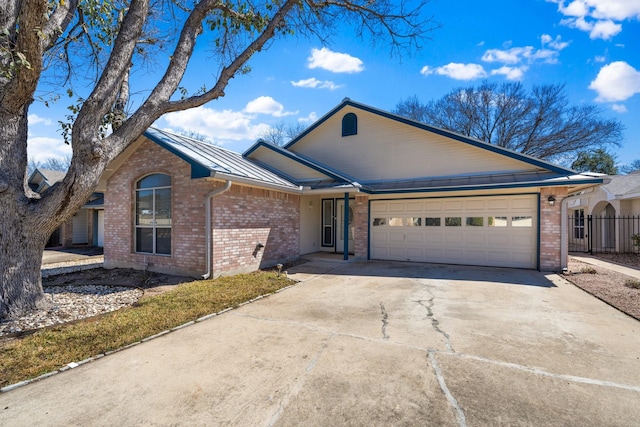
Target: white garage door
point(495, 231)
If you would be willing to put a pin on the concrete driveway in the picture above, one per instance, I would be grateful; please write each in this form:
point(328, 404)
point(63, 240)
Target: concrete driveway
point(374, 343)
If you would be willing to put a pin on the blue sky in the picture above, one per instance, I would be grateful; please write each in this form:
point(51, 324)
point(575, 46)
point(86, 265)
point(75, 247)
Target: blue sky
point(591, 46)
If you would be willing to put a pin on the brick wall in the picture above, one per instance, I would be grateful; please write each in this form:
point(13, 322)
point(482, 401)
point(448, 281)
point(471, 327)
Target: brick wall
point(550, 232)
point(245, 217)
point(242, 217)
point(361, 226)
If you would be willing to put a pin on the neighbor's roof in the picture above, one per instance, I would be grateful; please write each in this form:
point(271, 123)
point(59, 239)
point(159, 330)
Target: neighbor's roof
point(621, 185)
point(208, 160)
point(52, 176)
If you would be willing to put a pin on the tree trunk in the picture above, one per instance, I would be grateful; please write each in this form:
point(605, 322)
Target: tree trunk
point(24, 224)
point(21, 247)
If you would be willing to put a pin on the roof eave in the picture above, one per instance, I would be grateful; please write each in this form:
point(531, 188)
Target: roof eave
point(253, 182)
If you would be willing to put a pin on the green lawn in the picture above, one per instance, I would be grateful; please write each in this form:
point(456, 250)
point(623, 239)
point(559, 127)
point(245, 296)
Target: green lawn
point(51, 349)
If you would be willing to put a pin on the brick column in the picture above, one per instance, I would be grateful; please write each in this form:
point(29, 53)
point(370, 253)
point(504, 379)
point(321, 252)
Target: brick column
point(550, 231)
point(361, 226)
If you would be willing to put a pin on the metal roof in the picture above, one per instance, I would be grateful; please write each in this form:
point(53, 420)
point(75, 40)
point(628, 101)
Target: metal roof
point(214, 159)
point(508, 180)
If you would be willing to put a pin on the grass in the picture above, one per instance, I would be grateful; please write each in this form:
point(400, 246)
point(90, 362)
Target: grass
point(632, 283)
point(50, 349)
point(588, 270)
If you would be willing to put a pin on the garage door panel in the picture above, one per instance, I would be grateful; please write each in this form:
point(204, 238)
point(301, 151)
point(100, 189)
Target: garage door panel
point(498, 204)
point(433, 237)
point(379, 207)
point(396, 207)
point(414, 237)
point(435, 206)
point(415, 254)
point(503, 231)
point(475, 205)
point(396, 253)
point(395, 237)
point(522, 241)
point(453, 205)
point(380, 237)
point(451, 238)
point(414, 206)
point(522, 203)
point(501, 239)
point(475, 239)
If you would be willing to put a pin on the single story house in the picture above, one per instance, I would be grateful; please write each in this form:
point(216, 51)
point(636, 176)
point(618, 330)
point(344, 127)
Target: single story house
point(611, 211)
point(87, 225)
point(360, 182)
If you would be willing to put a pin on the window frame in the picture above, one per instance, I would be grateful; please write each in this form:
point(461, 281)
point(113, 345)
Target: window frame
point(578, 223)
point(154, 227)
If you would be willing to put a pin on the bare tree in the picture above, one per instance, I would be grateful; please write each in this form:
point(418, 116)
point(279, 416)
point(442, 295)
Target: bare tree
point(540, 123)
point(98, 41)
point(633, 167)
point(197, 136)
point(280, 133)
point(51, 163)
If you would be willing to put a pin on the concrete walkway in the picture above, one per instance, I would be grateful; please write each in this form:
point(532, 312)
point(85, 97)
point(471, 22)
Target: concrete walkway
point(629, 271)
point(375, 344)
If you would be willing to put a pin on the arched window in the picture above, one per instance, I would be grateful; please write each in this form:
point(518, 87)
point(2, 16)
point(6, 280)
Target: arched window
point(349, 124)
point(153, 215)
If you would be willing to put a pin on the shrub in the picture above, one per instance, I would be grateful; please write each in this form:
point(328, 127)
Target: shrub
point(588, 270)
point(632, 283)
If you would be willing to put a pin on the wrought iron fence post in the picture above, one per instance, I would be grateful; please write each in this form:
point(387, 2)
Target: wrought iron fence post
point(590, 235)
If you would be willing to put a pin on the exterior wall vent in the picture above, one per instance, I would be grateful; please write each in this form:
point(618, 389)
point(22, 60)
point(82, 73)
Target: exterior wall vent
point(349, 124)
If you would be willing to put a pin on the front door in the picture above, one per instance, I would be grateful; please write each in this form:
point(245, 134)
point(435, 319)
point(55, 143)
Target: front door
point(340, 218)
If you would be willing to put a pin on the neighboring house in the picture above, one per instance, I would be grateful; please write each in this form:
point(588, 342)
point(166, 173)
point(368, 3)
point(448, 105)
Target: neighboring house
point(359, 181)
point(87, 225)
point(610, 212)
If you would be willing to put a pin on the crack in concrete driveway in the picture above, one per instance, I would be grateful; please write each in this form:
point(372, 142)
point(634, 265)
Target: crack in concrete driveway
point(530, 349)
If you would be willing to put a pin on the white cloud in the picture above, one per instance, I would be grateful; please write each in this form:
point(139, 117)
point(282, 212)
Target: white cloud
point(555, 44)
point(219, 126)
point(507, 56)
point(335, 62)
point(312, 117)
point(619, 108)
point(601, 18)
point(43, 148)
point(515, 61)
point(604, 30)
point(316, 84)
point(457, 71)
point(616, 82)
point(34, 119)
point(511, 73)
point(599, 58)
point(267, 105)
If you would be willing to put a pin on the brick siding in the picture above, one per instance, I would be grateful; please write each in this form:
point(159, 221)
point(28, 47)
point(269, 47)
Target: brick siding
point(241, 218)
point(361, 225)
point(550, 232)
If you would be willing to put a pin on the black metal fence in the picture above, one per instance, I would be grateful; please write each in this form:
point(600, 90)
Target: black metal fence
point(597, 234)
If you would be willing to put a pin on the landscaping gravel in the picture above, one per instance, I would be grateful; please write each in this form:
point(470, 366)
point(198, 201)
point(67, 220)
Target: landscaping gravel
point(607, 285)
point(74, 302)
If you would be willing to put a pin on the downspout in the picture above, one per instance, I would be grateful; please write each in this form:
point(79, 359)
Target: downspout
point(207, 225)
point(564, 234)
